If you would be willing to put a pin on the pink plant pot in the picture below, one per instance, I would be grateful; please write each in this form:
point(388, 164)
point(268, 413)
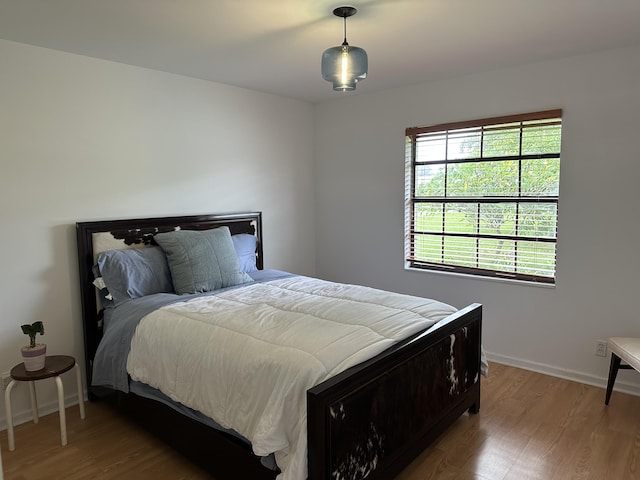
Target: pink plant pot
point(34, 358)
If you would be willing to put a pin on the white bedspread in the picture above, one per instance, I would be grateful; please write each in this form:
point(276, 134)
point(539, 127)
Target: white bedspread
point(246, 357)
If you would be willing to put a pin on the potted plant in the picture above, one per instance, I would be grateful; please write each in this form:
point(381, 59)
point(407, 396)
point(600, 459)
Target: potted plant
point(33, 355)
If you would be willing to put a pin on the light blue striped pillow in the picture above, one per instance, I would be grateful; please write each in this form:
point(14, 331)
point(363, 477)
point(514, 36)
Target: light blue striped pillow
point(133, 273)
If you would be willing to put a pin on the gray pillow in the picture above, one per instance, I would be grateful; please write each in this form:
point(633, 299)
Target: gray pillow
point(134, 272)
point(201, 261)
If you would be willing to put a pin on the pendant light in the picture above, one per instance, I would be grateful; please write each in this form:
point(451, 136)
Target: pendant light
point(345, 65)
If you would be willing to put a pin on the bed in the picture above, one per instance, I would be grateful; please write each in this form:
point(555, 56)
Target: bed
point(368, 420)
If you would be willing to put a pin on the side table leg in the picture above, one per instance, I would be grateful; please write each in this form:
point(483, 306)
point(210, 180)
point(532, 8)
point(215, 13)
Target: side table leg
point(63, 418)
point(7, 403)
point(34, 402)
point(80, 391)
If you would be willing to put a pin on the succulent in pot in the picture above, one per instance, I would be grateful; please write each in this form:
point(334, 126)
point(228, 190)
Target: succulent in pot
point(33, 354)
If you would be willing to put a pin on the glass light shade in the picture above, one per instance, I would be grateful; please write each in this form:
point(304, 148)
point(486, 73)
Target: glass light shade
point(344, 66)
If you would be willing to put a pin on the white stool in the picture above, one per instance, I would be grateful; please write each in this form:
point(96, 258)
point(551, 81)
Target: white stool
point(622, 348)
point(54, 366)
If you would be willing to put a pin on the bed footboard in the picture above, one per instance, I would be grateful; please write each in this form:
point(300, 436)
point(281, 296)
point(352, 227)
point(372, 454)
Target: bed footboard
point(373, 419)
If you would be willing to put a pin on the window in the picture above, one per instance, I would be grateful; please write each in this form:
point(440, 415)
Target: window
point(482, 196)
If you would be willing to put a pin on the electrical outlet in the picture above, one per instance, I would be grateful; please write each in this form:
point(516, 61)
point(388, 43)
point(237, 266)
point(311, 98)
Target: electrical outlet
point(6, 380)
point(601, 348)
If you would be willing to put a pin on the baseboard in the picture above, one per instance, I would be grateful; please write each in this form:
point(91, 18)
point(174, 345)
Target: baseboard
point(24, 415)
point(567, 374)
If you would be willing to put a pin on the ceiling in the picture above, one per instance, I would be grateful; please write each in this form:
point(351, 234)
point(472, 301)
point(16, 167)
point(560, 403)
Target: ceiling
point(275, 46)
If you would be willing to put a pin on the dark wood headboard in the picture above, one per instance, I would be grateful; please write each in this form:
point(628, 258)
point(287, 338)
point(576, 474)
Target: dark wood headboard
point(137, 232)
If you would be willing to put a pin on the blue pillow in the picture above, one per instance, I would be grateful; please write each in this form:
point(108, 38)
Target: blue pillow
point(201, 260)
point(134, 272)
point(245, 246)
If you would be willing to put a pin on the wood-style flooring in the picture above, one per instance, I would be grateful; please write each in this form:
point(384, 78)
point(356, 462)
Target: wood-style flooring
point(530, 427)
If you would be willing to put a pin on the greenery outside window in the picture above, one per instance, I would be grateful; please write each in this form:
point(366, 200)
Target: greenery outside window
point(482, 196)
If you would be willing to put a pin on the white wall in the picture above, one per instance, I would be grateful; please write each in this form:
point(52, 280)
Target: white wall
point(360, 195)
point(85, 139)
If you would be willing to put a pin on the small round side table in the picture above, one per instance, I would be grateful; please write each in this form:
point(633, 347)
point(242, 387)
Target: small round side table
point(54, 366)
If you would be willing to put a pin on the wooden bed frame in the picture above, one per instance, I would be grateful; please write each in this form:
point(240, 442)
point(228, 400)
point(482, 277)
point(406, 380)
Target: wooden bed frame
point(369, 421)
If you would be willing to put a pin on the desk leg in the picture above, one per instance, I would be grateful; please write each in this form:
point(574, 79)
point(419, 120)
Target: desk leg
point(80, 392)
point(7, 403)
point(63, 417)
point(34, 402)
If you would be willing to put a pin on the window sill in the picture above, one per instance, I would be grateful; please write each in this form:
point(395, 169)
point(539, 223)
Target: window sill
point(482, 277)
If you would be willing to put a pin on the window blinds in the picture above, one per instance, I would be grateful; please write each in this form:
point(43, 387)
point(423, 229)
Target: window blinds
point(482, 196)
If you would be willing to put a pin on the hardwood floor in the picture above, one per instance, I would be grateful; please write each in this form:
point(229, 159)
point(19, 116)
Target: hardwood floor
point(530, 427)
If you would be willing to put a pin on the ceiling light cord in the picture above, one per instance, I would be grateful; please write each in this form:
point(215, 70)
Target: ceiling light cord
point(345, 31)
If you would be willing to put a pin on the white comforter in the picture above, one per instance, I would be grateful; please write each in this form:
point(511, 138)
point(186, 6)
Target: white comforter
point(246, 357)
